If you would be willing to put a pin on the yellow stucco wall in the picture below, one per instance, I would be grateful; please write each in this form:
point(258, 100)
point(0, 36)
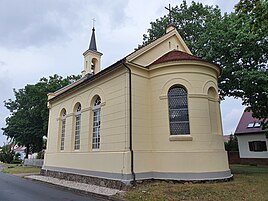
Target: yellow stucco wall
point(155, 149)
point(113, 154)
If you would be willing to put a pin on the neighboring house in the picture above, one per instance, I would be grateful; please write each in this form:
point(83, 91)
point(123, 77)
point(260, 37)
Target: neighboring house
point(152, 115)
point(19, 150)
point(252, 141)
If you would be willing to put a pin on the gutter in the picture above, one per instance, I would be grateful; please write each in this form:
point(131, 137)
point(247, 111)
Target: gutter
point(130, 126)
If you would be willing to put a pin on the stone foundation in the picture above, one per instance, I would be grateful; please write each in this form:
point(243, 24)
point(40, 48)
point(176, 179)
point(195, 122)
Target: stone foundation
point(85, 179)
point(116, 184)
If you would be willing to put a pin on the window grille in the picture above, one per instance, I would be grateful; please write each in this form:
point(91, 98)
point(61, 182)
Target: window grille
point(77, 128)
point(178, 111)
point(63, 125)
point(257, 146)
point(96, 124)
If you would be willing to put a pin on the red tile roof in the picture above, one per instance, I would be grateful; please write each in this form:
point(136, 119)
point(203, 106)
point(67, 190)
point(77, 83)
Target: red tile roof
point(176, 55)
point(246, 119)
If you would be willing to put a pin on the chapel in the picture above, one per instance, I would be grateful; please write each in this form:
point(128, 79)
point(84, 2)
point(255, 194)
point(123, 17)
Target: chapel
point(154, 114)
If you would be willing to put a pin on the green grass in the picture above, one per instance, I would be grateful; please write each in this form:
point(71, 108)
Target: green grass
point(249, 183)
point(17, 169)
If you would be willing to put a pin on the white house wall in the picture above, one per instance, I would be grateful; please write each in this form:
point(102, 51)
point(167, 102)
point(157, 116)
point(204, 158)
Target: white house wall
point(244, 147)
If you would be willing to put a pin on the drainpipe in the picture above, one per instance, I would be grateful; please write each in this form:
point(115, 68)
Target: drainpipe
point(130, 126)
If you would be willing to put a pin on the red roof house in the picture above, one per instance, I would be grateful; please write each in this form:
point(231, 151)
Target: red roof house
point(252, 141)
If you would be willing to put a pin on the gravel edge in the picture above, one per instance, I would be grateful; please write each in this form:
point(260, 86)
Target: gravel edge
point(82, 188)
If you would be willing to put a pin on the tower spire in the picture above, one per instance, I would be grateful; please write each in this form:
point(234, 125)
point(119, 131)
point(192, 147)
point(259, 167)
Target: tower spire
point(92, 45)
point(92, 58)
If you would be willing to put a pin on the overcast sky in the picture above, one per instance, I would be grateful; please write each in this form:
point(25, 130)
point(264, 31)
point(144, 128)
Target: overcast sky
point(42, 38)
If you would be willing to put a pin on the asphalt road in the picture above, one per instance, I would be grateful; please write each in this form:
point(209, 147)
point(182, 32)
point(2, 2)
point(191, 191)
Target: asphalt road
point(13, 188)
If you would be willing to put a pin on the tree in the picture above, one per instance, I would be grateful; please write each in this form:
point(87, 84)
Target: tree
point(232, 144)
point(233, 41)
point(257, 12)
point(7, 154)
point(255, 82)
point(28, 121)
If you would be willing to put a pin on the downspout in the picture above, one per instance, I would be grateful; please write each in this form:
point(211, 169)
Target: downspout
point(130, 125)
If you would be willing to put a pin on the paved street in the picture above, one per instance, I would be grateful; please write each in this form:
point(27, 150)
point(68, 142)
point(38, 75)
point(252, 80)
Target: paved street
point(13, 188)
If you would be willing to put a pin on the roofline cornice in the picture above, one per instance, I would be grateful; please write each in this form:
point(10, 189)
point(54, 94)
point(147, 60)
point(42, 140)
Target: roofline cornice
point(91, 51)
point(187, 62)
point(88, 80)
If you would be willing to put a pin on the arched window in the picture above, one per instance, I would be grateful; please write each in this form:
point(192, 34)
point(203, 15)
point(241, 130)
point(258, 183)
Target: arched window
point(96, 123)
point(77, 127)
point(93, 65)
point(178, 111)
point(63, 125)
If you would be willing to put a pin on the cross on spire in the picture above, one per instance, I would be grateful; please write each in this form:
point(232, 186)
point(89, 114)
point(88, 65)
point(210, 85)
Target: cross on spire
point(92, 44)
point(93, 22)
point(169, 14)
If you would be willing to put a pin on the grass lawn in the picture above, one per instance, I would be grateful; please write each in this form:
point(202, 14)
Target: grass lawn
point(250, 183)
point(18, 169)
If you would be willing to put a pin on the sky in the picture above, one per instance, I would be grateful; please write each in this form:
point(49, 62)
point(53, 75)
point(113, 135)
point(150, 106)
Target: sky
point(43, 38)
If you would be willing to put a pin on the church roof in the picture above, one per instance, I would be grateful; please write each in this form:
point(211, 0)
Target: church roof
point(249, 124)
point(93, 45)
point(85, 80)
point(176, 55)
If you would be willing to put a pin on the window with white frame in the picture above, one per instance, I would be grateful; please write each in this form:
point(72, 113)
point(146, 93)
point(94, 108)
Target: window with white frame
point(257, 146)
point(96, 123)
point(77, 127)
point(178, 111)
point(63, 125)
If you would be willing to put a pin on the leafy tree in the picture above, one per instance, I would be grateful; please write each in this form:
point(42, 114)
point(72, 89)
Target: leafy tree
point(237, 42)
point(28, 121)
point(232, 144)
point(257, 12)
point(255, 82)
point(6, 154)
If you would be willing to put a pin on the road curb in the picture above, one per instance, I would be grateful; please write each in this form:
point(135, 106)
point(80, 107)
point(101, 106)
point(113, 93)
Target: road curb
point(96, 195)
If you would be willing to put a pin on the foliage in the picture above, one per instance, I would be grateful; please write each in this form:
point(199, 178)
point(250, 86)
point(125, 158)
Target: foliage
point(40, 155)
point(232, 144)
point(6, 154)
point(237, 42)
point(257, 12)
point(28, 121)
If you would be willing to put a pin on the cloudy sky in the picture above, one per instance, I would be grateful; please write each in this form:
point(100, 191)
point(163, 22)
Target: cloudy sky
point(42, 38)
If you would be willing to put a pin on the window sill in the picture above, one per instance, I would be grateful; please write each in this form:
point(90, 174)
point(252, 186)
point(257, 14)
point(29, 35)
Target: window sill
point(180, 138)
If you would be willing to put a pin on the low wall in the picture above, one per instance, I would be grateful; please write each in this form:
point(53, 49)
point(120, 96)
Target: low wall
point(234, 158)
point(33, 162)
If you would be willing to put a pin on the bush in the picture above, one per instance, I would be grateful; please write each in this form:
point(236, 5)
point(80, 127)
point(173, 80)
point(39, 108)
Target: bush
point(40, 155)
point(6, 154)
point(232, 144)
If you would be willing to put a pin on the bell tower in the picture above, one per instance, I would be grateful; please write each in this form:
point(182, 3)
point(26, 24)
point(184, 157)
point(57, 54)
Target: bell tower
point(92, 58)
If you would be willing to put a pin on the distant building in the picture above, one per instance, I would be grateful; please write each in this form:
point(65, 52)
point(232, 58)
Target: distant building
point(252, 141)
point(19, 150)
point(154, 114)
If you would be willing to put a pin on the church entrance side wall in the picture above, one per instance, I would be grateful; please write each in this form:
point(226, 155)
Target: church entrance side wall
point(112, 159)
